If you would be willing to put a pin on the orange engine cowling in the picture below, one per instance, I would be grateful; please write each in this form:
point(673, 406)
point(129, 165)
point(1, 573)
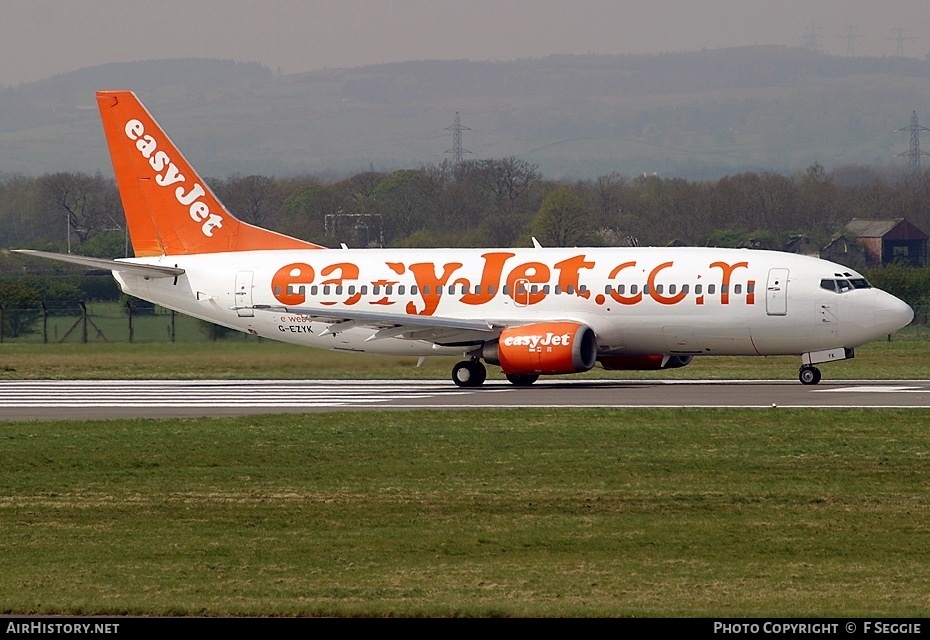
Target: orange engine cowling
point(642, 363)
point(546, 347)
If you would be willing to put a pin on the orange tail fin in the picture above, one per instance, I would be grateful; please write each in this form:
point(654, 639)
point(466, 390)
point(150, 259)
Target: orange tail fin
point(169, 209)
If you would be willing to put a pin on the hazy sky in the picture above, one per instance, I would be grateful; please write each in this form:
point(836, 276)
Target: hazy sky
point(41, 38)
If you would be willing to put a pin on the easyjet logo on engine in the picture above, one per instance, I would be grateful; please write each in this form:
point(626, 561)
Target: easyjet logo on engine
point(168, 174)
point(536, 341)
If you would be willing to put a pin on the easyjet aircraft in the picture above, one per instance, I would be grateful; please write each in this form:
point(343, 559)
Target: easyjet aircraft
point(531, 311)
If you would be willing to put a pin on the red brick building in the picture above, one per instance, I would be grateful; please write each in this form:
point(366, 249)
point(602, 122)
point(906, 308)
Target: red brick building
point(888, 241)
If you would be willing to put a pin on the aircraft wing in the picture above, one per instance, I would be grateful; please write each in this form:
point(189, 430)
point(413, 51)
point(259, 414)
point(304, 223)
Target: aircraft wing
point(146, 270)
point(438, 329)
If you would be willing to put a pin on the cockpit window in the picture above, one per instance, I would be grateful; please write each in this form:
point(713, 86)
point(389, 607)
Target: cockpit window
point(842, 285)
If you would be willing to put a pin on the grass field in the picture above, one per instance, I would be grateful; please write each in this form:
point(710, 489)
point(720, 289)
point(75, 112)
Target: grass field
point(506, 513)
point(108, 322)
point(468, 513)
point(904, 357)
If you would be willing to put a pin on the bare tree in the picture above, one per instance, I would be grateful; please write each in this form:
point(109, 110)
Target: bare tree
point(254, 199)
point(85, 204)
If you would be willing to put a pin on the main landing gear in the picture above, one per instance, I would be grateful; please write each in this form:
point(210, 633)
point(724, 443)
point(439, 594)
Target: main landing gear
point(809, 374)
point(469, 373)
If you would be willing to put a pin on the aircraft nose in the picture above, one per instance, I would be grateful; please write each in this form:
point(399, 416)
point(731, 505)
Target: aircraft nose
point(891, 313)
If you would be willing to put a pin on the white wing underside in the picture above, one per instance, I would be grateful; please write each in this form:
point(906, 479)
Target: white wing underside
point(436, 329)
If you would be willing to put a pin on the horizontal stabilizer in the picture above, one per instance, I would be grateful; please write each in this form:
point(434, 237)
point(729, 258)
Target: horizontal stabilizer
point(146, 270)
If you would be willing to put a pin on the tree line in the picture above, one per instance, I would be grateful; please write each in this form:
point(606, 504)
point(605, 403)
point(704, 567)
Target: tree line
point(481, 203)
point(491, 203)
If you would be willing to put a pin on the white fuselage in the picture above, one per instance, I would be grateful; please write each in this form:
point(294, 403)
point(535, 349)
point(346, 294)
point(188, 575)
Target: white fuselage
point(697, 301)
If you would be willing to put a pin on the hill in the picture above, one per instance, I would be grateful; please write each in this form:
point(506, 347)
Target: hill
point(695, 115)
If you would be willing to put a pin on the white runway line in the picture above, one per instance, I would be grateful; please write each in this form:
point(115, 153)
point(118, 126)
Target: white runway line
point(56, 398)
point(210, 393)
point(873, 389)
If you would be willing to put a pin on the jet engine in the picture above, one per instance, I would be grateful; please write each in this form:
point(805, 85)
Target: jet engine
point(643, 363)
point(543, 348)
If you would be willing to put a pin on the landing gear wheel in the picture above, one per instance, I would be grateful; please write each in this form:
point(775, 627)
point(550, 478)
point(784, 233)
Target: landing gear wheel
point(469, 373)
point(521, 380)
point(809, 375)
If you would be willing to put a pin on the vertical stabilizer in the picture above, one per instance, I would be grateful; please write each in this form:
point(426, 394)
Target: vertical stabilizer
point(170, 210)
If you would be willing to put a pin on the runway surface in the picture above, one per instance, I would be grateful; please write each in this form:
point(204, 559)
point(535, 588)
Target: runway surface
point(104, 399)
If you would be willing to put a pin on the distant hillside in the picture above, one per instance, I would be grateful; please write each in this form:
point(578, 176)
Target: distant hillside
point(184, 75)
point(695, 115)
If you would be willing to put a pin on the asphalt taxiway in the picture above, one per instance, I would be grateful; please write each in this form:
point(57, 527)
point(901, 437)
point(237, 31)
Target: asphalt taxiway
point(105, 399)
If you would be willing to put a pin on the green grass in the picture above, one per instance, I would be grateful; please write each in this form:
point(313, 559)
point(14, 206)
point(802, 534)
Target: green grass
point(108, 322)
point(905, 357)
point(515, 513)
point(476, 513)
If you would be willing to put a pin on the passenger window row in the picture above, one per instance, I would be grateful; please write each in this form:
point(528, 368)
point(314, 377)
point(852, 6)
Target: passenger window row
point(621, 289)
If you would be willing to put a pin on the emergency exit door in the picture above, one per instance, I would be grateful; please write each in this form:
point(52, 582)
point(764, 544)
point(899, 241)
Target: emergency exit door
point(244, 294)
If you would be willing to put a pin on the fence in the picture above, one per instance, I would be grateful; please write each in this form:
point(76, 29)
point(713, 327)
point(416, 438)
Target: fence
point(127, 322)
point(105, 322)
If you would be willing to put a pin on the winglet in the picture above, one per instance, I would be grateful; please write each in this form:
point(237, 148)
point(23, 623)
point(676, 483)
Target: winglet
point(169, 209)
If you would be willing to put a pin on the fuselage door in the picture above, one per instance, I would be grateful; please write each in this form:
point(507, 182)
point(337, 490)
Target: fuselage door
point(776, 292)
point(243, 296)
point(521, 294)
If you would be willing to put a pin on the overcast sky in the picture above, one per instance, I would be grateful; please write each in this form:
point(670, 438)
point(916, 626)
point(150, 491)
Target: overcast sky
point(41, 38)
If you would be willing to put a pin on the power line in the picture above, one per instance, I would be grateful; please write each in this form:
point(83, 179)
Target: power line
point(811, 38)
point(457, 150)
point(914, 153)
point(899, 40)
point(850, 38)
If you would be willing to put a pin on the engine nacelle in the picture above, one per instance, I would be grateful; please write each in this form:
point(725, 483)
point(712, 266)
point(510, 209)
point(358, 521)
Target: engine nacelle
point(543, 348)
point(643, 363)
